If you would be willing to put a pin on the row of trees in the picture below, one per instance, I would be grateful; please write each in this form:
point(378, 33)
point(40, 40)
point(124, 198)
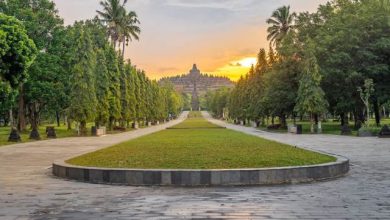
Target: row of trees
point(74, 72)
point(321, 61)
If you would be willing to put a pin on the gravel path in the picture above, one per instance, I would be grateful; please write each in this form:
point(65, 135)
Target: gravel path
point(28, 191)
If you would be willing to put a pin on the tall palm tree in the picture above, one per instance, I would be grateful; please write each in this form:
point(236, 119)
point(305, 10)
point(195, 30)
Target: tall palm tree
point(129, 30)
point(112, 16)
point(282, 22)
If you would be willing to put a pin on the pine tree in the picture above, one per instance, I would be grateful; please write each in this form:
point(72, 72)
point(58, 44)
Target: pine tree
point(83, 95)
point(102, 89)
point(272, 57)
point(125, 95)
point(132, 101)
point(311, 97)
point(115, 87)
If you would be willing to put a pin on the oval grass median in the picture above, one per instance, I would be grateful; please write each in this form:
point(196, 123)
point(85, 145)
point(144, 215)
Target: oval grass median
point(193, 145)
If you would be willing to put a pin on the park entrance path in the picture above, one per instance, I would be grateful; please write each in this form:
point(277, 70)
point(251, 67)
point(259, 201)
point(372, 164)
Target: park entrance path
point(28, 191)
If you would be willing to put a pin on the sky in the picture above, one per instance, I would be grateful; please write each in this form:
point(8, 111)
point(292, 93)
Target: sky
point(221, 36)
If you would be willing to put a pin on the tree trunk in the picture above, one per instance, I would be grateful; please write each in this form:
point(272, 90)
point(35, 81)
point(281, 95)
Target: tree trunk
point(58, 119)
point(123, 49)
point(69, 122)
point(342, 119)
point(34, 119)
point(21, 110)
point(11, 118)
point(83, 128)
point(377, 113)
point(111, 120)
point(316, 120)
point(283, 121)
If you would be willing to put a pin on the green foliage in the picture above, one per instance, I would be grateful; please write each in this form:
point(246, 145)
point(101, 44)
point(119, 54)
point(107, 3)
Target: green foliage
point(83, 93)
point(199, 147)
point(114, 83)
point(121, 25)
point(365, 95)
point(317, 67)
point(217, 101)
point(17, 50)
point(102, 88)
point(281, 23)
point(78, 74)
point(311, 97)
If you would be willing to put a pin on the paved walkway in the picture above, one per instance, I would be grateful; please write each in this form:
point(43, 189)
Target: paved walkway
point(28, 191)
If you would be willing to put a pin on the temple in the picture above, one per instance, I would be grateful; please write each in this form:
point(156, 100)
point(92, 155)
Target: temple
point(197, 84)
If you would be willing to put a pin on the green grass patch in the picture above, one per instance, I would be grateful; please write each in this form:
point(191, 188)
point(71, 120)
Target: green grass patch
point(199, 148)
point(331, 127)
point(61, 131)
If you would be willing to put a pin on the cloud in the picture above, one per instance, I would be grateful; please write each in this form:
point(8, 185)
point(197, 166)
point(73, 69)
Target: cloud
point(168, 69)
point(235, 64)
point(177, 33)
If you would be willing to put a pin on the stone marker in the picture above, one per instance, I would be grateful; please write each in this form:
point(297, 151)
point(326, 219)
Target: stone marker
point(385, 132)
point(93, 131)
point(346, 130)
point(364, 132)
point(14, 136)
point(51, 132)
point(34, 135)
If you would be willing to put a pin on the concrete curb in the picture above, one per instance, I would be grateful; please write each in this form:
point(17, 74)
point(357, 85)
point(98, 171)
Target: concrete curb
point(213, 177)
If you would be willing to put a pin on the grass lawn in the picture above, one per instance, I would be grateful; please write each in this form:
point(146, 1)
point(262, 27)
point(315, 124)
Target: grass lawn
point(331, 127)
point(62, 132)
point(198, 147)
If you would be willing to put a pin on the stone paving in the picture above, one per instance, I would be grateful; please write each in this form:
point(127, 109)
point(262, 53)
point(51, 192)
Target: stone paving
point(28, 191)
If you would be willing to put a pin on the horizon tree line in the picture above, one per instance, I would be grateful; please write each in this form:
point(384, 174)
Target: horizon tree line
point(75, 73)
point(316, 65)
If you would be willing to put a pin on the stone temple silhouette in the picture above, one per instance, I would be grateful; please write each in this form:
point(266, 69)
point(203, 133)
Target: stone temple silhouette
point(198, 84)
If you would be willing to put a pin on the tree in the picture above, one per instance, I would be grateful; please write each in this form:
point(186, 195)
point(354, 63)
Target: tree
point(17, 51)
point(217, 101)
point(41, 20)
point(7, 102)
point(282, 22)
point(114, 85)
point(131, 73)
point(129, 29)
point(83, 93)
point(113, 15)
point(311, 97)
point(102, 89)
point(365, 95)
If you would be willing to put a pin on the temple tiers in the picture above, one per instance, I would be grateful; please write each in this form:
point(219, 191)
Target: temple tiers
point(197, 84)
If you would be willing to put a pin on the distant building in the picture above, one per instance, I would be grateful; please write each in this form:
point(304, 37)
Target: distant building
point(197, 84)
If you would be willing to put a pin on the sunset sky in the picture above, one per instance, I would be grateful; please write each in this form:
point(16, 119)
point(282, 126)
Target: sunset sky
point(221, 36)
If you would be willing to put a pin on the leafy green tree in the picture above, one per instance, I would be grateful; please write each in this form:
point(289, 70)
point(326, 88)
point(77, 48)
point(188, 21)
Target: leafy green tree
point(311, 97)
point(83, 92)
point(7, 102)
point(102, 89)
point(125, 93)
point(113, 15)
point(114, 85)
point(17, 50)
point(129, 29)
point(282, 22)
point(131, 73)
point(218, 101)
point(365, 95)
point(41, 20)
